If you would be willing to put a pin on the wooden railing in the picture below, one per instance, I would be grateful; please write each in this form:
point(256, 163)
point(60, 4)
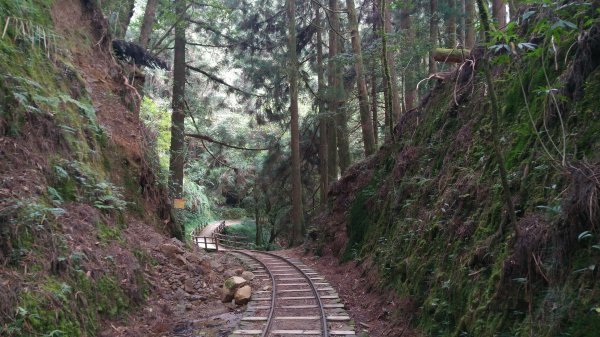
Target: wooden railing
point(231, 241)
point(218, 239)
point(206, 242)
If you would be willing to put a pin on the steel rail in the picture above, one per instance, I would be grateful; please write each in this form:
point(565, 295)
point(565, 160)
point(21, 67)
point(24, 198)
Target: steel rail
point(310, 282)
point(273, 292)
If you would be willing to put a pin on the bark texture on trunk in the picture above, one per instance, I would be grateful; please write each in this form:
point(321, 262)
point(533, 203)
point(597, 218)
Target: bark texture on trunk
point(410, 92)
point(324, 183)
point(373, 65)
point(332, 164)
point(296, 234)
point(461, 22)
point(390, 106)
point(363, 97)
point(177, 155)
point(451, 24)
point(499, 13)
point(469, 24)
point(341, 119)
point(433, 33)
point(147, 23)
point(391, 65)
point(374, 101)
point(176, 151)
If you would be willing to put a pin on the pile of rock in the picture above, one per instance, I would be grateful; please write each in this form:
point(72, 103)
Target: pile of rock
point(236, 287)
point(186, 270)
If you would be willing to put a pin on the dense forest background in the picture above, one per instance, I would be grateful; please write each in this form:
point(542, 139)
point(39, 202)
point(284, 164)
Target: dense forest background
point(448, 150)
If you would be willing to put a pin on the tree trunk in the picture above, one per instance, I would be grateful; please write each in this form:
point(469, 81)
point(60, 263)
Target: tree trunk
point(119, 13)
point(341, 120)
point(410, 92)
point(495, 127)
point(391, 65)
point(373, 67)
point(147, 23)
point(469, 24)
point(322, 113)
point(363, 97)
point(332, 99)
point(433, 33)
point(451, 24)
point(176, 151)
point(296, 234)
point(390, 106)
point(462, 22)
point(374, 108)
point(258, 237)
point(499, 12)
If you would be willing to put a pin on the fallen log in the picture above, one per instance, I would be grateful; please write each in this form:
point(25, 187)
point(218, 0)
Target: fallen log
point(457, 55)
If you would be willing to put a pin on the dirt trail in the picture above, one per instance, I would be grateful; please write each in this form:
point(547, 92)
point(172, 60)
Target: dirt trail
point(210, 228)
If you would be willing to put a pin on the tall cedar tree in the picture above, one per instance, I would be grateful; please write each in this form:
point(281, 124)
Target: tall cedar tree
point(461, 22)
point(396, 107)
point(341, 118)
point(147, 22)
point(324, 182)
point(363, 99)
point(296, 234)
point(433, 33)
point(176, 152)
point(390, 105)
point(451, 24)
point(374, 91)
point(469, 24)
point(410, 92)
point(499, 12)
point(332, 79)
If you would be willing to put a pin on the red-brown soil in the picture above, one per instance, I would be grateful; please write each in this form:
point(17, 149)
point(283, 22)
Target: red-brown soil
point(369, 308)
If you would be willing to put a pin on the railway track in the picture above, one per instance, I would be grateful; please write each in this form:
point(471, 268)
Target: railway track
point(291, 300)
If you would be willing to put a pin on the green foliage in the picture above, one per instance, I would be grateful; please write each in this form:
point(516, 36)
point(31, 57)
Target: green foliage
point(36, 11)
point(76, 181)
point(70, 307)
point(157, 118)
point(24, 221)
point(107, 233)
point(245, 229)
point(232, 213)
point(358, 221)
point(429, 232)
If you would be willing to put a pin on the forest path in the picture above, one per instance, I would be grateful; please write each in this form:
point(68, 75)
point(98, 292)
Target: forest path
point(205, 238)
point(211, 227)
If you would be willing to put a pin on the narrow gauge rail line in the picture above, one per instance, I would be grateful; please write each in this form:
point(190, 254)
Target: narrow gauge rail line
point(266, 260)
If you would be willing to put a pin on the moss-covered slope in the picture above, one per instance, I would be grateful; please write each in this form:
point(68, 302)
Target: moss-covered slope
point(70, 168)
point(427, 211)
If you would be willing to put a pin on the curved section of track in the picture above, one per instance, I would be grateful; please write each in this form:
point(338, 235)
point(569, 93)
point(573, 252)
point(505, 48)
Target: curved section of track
point(297, 305)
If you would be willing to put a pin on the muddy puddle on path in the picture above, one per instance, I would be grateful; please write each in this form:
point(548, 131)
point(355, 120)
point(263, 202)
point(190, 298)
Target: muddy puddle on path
point(218, 325)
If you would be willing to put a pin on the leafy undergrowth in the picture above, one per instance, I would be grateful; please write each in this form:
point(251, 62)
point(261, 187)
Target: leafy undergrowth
point(427, 212)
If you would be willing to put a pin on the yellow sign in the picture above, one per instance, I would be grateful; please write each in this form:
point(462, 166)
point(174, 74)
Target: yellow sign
point(180, 203)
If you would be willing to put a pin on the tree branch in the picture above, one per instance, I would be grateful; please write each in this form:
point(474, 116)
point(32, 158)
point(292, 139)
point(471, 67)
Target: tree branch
point(221, 81)
point(210, 139)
